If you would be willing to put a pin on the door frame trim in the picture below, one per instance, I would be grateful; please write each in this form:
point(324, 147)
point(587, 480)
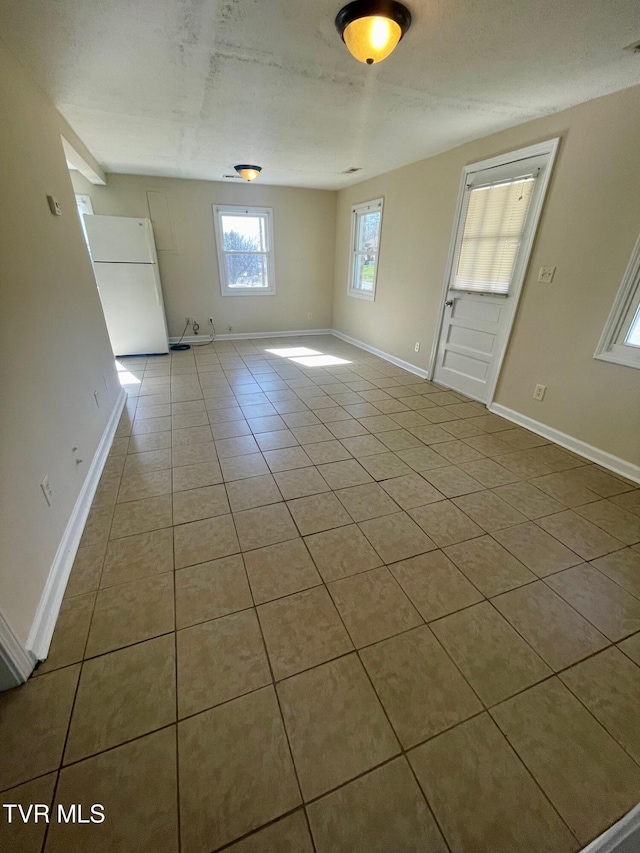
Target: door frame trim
point(549, 147)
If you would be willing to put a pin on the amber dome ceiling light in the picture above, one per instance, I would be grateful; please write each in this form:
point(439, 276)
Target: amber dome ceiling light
point(248, 172)
point(371, 29)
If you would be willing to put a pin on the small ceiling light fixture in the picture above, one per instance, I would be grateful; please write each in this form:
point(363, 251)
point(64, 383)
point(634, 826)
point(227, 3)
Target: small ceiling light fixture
point(371, 29)
point(249, 173)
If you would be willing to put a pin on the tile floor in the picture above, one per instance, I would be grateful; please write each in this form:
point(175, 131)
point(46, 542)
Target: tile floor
point(325, 605)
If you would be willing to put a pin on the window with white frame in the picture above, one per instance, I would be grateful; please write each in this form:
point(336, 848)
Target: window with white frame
point(620, 340)
point(244, 238)
point(366, 225)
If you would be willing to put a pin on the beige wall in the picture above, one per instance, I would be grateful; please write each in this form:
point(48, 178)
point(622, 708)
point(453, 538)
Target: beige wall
point(55, 350)
point(304, 234)
point(588, 229)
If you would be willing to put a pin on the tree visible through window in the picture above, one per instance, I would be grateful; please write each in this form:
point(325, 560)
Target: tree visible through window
point(244, 250)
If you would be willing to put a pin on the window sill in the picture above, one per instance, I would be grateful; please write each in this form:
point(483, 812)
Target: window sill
point(370, 297)
point(249, 291)
point(614, 358)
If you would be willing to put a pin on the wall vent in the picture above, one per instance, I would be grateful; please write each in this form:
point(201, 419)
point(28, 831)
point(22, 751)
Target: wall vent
point(235, 177)
point(634, 48)
point(351, 170)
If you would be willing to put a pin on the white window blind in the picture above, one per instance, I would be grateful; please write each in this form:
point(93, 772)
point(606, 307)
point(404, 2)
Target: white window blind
point(494, 218)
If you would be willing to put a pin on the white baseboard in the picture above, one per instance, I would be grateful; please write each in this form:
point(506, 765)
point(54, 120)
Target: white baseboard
point(47, 614)
point(622, 837)
point(16, 663)
point(593, 454)
point(242, 336)
point(405, 365)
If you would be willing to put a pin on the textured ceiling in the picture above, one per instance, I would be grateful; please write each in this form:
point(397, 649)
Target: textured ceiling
point(187, 88)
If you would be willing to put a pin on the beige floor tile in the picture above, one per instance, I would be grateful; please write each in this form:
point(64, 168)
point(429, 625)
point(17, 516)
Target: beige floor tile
point(423, 459)
point(210, 590)
point(434, 585)
point(341, 552)
point(301, 631)
point(605, 604)
point(452, 481)
point(381, 812)
point(457, 452)
point(186, 420)
point(139, 556)
point(488, 445)
point(150, 442)
point(488, 472)
point(609, 685)
point(86, 570)
point(366, 501)
point(364, 445)
point(399, 439)
point(276, 440)
point(26, 837)
point(236, 446)
point(318, 512)
point(286, 459)
point(141, 516)
point(629, 500)
point(324, 452)
point(554, 629)
point(97, 526)
point(242, 746)
point(488, 565)
point(289, 835)
point(489, 511)
point(220, 660)
point(115, 779)
point(346, 429)
point(384, 466)
point(589, 778)
point(475, 784)
point(445, 523)
point(107, 491)
point(151, 460)
point(431, 434)
point(191, 435)
point(623, 567)
point(241, 467)
point(195, 504)
point(194, 454)
point(341, 475)
point(556, 458)
point(396, 537)
point(70, 634)
point(300, 482)
point(420, 688)
point(523, 465)
point(615, 520)
point(312, 434)
point(534, 547)
point(527, 499)
point(253, 492)
point(490, 654)
point(631, 648)
point(201, 541)
point(280, 570)
point(580, 535)
point(196, 476)
point(373, 606)
point(130, 613)
point(601, 482)
point(411, 491)
point(563, 487)
point(144, 484)
point(34, 719)
point(143, 678)
point(264, 526)
point(336, 726)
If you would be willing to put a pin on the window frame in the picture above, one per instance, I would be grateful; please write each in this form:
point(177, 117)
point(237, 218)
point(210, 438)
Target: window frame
point(220, 210)
point(358, 210)
point(611, 346)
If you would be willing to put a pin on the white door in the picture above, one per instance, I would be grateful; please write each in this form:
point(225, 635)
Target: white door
point(120, 239)
point(133, 308)
point(497, 216)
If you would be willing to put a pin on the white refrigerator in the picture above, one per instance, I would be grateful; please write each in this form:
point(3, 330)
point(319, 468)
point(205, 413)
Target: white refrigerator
point(126, 267)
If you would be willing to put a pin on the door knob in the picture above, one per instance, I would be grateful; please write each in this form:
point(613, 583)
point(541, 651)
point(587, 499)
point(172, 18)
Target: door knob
point(449, 303)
